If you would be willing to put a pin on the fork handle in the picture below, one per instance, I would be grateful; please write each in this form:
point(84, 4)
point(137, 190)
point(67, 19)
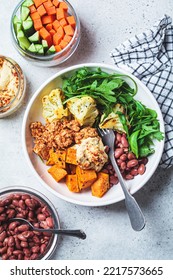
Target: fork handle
point(135, 214)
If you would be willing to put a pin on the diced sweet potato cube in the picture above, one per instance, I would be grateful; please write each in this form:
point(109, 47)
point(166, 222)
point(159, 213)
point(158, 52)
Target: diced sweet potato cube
point(72, 183)
point(67, 38)
point(71, 156)
point(63, 44)
point(101, 185)
point(85, 177)
point(55, 3)
point(63, 22)
point(57, 173)
point(41, 10)
point(58, 48)
point(60, 13)
point(69, 30)
point(56, 24)
point(63, 5)
point(57, 158)
point(71, 21)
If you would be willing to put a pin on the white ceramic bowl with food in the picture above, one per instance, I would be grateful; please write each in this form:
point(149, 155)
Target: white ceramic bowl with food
point(34, 113)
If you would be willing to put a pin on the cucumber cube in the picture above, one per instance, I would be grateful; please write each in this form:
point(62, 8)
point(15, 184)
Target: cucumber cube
point(35, 38)
point(41, 51)
point(17, 24)
point(45, 45)
point(32, 48)
point(28, 3)
point(24, 12)
point(38, 47)
point(23, 40)
point(51, 50)
point(28, 27)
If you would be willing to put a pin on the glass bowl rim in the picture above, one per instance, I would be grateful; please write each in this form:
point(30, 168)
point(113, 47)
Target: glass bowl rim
point(44, 199)
point(46, 57)
point(13, 64)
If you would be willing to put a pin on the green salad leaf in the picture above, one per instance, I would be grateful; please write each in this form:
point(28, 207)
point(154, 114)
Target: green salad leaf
point(139, 122)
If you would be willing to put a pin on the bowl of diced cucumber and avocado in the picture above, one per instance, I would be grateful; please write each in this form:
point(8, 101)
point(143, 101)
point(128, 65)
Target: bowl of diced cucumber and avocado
point(45, 32)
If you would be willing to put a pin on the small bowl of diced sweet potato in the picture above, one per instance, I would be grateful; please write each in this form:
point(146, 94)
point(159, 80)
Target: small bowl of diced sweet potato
point(46, 32)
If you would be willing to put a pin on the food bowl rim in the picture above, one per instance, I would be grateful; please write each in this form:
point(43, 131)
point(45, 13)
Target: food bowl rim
point(63, 72)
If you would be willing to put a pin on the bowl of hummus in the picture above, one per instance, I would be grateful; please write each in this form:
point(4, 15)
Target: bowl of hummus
point(12, 86)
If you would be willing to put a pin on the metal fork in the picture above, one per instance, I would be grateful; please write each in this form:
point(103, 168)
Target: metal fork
point(135, 214)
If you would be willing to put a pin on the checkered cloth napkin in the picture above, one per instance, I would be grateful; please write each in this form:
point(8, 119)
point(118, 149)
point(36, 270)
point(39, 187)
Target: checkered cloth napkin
point(149, 56)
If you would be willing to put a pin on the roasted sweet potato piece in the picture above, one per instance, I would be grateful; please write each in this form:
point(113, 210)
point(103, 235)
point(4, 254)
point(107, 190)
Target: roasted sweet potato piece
point(101, 185)
point(57, 158)
point(85, 177)
point(71, 156)
point(72, 183)
point(57, 173)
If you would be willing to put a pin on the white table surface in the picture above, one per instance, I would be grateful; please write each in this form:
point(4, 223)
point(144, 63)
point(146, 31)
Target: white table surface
point(104, 24)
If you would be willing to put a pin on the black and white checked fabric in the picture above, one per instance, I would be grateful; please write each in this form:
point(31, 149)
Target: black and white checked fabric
point(149, 56)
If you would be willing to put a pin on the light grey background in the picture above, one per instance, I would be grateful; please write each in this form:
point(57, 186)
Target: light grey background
point(105, 24)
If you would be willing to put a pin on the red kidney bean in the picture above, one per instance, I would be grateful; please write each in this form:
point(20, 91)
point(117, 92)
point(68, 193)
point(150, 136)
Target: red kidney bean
point(24, 244)
point(11, 213)
point(118, 152)
point(31, 214)
point(134, 171)
point(113, 180)
point(42, 248)
point(141, 169)
point(3, 217)
point(16, 196)
point(34, 256)
point(3, 235)
point(41, 217)
point(1, 244)
point(123, 157)
point(7, 201)
point(36, 239)
point(22, 228)
point(20, 257)
point(132, 163)
point(1, 210)
point(15, 202)
point(49, 222)
point(123, 165)
point(119, 161)
point(129, 177)
point(12, 257)
point(11, 241)
point(130, 156)
point(17, 252)
point(27, 252)
point(4, 257)
point(28, 234)
point(22, 204)
point(124, 142)
point(3, 250)
point(21, 237)
point(105, 171)
point(13, 225)
point(20, 215)
point(35, 249)
point(17, 243)
point(10, 251)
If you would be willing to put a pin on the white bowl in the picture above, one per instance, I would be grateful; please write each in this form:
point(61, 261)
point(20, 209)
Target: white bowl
point(34, 113)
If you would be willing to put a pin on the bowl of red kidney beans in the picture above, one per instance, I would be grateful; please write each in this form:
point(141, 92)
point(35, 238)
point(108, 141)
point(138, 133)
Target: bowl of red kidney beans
point(18, 241)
